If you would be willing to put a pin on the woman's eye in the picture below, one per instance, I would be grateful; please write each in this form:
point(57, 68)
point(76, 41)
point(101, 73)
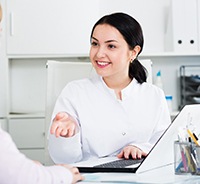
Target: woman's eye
point(94, 43)
point(111, 46)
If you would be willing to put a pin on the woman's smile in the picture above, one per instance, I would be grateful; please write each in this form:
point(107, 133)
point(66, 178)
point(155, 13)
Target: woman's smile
point(102, 64)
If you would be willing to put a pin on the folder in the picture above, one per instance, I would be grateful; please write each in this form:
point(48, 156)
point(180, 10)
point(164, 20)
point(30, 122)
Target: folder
point(182, 28)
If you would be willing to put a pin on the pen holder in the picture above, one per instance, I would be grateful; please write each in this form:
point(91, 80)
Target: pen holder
point(186, 158)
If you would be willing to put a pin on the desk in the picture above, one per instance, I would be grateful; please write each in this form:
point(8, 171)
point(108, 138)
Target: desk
point(163, 175)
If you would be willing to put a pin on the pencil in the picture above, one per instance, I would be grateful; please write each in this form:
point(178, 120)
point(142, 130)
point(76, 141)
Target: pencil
point(192, 136)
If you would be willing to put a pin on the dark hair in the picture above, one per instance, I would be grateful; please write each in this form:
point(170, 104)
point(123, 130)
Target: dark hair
point(133, 35)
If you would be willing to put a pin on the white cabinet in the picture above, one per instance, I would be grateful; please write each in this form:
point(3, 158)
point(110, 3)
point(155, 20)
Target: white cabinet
point(182, 29)
point(3, 69)
point(26, 105)
point(3, 88)
point(27, 133)
point(50, 26)
point(27, 84)
point(29, 136)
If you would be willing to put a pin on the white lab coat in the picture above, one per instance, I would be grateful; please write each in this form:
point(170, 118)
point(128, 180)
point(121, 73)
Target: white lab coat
point(15, 168)
point(108, 124)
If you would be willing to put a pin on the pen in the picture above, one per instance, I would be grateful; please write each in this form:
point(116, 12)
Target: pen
point(193, 137)
point(190, 161)
point(179, 166)
point(184, 162)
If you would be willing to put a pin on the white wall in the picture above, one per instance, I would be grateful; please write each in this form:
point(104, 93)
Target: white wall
point(151, 14)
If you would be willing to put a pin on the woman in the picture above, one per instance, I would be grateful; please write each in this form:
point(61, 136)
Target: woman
point(115, 112)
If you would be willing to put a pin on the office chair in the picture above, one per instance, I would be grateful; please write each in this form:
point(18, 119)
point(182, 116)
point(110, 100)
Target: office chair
point(59, 73)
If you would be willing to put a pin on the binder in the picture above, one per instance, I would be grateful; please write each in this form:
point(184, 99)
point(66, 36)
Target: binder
point(182, 28)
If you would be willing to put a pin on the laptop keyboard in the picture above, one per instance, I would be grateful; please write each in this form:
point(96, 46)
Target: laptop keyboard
point(119, 163)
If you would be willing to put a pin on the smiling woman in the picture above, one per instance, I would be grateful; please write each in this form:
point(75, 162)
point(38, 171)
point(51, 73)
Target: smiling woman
point(115, 108)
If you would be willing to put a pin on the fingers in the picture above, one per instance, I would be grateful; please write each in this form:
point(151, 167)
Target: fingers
point(121, 154)
point(56, 128)
point(131, 151)
point(58, 118)
point(37, 162)
point(74, 170)
point(67, 132)
point(53, 128)
point(64, 131)
point(76, 175)
point(63, 125)
point(71, 130)
point(58, 131)
point(126, 153)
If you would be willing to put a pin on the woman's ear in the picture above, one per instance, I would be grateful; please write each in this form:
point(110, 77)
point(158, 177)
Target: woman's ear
point(135, 51)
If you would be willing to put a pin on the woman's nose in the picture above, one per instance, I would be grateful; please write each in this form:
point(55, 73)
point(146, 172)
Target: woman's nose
point(101, 52)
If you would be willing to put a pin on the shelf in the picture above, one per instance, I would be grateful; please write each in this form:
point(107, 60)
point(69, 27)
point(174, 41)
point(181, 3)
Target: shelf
point(53, 56)
point(170, 54)
point(26, 115)
point(86, 56)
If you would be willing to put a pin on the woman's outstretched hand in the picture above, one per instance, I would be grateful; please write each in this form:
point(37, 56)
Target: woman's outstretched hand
point(63, 125)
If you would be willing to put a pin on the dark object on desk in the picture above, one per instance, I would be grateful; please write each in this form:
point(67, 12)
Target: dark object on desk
point(114, 166)
point(189, 85)
point(107, 170)
point(119, 163)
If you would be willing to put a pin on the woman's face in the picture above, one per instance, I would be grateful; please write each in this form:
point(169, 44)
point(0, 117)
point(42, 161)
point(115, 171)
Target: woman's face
point(109, 52)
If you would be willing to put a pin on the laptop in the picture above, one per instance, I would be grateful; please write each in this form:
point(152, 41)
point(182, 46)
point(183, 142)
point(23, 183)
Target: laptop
point(161, 154)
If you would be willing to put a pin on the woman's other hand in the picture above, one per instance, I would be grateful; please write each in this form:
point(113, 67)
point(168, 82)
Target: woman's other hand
point(131, 151)
point(63, 125)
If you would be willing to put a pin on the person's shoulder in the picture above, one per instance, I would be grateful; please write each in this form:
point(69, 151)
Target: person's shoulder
point(151, 87)
point(78, 83)
point(87, 81)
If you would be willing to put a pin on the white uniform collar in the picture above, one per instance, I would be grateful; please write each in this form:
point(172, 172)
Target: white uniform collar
point(125, 92)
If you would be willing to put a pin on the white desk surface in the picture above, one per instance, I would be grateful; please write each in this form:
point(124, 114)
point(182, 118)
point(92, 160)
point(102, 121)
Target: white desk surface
point(164, 175)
